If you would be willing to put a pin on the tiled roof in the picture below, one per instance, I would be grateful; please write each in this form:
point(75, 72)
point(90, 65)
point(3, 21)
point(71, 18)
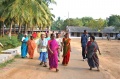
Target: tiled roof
point(81, 29)
point(109, 30)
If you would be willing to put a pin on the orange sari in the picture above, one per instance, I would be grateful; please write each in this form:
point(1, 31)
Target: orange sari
point(66, 50)
point(31, 47)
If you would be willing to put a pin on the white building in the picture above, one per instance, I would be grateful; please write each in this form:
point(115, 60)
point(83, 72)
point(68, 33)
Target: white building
point(76, 32)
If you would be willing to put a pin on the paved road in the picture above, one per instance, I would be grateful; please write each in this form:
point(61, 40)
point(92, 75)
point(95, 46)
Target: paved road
point(30, 69)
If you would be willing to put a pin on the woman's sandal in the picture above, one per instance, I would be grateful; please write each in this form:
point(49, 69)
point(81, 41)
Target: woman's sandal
point(45, 66)
point(98, 70)
point(90, 69)
point(57, 70)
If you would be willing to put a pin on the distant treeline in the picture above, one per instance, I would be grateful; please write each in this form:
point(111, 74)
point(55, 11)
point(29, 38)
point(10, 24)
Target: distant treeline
point(113, 20)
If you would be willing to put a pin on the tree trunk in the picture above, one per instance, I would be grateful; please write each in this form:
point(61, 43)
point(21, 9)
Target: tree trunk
point(3, 30)
point(26, 28)
point(10, 31)
point(14, 29)
point(32, 28)
point(0, 29)
point(40, 28)
point(19, 28)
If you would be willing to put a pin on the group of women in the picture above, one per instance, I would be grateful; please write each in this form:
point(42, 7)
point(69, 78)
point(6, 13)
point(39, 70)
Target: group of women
point(53, 49)
point(28, 46)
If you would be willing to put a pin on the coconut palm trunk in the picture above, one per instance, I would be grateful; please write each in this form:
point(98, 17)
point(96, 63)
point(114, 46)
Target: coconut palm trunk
point(25, 28)
point(3, 30)
point(19, 30)
point(10, 31)
point(0, 29)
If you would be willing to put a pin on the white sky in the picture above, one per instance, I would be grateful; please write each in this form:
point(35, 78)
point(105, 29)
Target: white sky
point(81, 8)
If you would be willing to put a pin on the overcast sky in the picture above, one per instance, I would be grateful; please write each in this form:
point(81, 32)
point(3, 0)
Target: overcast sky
point(81, 8)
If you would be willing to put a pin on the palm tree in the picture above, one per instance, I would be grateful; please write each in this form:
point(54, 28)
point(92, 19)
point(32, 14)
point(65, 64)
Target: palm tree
point(27, 12)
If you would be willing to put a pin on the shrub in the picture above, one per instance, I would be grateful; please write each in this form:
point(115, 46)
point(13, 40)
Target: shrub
point(9, 43)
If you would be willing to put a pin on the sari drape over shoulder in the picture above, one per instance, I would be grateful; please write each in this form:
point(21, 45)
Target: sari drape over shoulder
point(93, 60)
point(31, 47)
point(53, 58)
point(66, 50)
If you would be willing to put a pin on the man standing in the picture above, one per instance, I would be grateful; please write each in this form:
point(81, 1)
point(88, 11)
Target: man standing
point(42, 47)
point(84, 40)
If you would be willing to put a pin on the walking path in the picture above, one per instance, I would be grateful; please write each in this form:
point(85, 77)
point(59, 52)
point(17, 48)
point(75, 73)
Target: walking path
point(30, 68)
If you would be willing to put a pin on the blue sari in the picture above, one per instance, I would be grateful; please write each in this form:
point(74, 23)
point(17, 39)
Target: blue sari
point(24, 48)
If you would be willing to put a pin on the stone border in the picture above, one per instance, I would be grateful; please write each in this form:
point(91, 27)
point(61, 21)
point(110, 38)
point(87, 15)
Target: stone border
point(10, 53)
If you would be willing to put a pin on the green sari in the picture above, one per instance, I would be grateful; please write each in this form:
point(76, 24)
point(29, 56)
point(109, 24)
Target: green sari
point(66, 46)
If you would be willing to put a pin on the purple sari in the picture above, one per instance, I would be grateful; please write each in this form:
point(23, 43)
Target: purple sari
point(53, 58)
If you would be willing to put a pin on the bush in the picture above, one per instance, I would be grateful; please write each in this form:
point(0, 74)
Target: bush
point(9, 43)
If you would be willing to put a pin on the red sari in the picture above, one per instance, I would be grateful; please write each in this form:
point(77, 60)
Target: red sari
point(66, 50)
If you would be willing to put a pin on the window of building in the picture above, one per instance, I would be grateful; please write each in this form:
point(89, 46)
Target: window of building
point(95, 34)
point(78, 34)
point(111, 34)
point(89, 34)
point(100, 34)
point(72, 33)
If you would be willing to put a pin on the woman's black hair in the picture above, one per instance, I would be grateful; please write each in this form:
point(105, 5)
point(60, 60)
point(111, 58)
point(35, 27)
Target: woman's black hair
point(92, 37)
point(52, 35)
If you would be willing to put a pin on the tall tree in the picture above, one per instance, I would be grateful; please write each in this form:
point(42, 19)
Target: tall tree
point(114, 20)
point(27, 12)
point(86, 20)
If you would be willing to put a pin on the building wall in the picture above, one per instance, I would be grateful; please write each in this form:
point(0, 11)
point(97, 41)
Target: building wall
point(97, 35)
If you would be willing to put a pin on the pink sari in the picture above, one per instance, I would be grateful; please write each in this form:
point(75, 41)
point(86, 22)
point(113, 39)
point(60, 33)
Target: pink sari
point(53, 58)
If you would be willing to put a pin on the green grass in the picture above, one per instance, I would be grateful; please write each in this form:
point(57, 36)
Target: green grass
point(9, 43)
point(17, 56)
point(6, 63)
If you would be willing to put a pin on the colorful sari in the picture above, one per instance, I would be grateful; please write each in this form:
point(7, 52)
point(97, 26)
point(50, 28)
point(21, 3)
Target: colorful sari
point(53, 58)
point(66, 50)
point(24, 48)
point(31, 47)
point(93, 60)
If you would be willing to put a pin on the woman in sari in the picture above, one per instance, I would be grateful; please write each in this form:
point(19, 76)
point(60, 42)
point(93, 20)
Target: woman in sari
point(53, 53)
point(24, 48)
point(31, 47)
point(66, 49)
point(91, 49)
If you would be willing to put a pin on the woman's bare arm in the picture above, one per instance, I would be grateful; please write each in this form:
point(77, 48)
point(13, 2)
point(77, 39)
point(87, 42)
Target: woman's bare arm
point(98, 48)
point(49, 49)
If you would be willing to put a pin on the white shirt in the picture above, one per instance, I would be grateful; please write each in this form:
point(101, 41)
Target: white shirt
point(43, 44)
point(23, 38)
point(59, 40)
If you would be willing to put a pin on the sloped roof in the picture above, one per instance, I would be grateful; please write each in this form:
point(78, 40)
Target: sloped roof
point(109, 30)
point(79, 29)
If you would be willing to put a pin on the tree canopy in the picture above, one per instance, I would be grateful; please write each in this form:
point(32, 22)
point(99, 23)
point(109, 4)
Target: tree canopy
point(26, 12)
point(114, 20)
point(97, 24)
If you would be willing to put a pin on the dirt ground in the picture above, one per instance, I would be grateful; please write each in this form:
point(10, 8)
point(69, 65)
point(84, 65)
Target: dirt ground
point(77, 69)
